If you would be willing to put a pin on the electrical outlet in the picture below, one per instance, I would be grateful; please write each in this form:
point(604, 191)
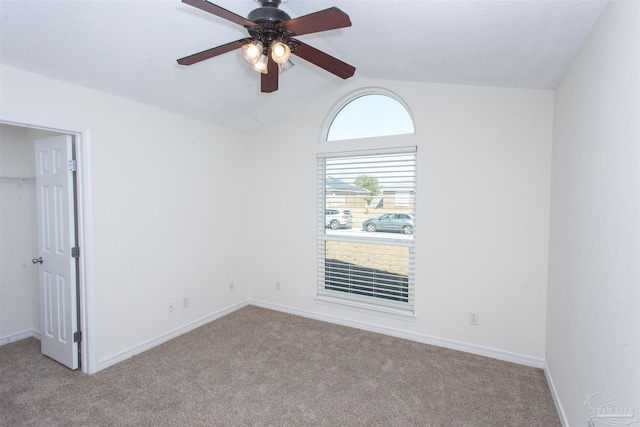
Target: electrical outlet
point(170, 306)
point(474, 319)
point(185, 302)
point(231, 286)
point(277, 286)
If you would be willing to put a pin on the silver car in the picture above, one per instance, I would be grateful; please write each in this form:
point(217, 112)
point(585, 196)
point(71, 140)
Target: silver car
point(400, 222)
point(337, 218)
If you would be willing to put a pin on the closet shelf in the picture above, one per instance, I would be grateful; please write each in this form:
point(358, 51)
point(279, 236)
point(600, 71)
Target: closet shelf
point(19, 179)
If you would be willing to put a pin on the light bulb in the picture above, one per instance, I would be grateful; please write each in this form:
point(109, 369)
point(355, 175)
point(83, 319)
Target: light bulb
point(261, 64)
point(252, 51)
point(280, 52)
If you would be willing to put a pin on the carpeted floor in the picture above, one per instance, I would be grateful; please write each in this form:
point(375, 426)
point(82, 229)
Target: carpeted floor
point(262, 367)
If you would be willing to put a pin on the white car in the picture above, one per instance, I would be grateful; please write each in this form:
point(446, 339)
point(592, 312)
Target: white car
point(337, 218)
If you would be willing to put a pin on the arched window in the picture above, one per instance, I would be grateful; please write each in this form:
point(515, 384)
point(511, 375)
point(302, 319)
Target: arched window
point(366, 214)
point(370, 114)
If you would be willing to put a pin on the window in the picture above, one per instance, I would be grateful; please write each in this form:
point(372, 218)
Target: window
point(367, 228)
point(370, 115)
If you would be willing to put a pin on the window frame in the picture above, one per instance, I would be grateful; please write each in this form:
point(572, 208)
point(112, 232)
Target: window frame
point(368, 303)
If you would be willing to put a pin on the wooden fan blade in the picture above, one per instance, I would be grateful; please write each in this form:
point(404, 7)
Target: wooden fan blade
point(328, 19)
point(219, 11)
point(269, 81)
point(210, 53)
point(322, 60)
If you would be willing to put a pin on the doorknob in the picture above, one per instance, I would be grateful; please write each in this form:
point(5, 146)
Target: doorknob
point(37, 260)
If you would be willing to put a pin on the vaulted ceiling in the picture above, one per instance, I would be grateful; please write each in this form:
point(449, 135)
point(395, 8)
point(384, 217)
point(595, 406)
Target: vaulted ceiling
point(129, 48)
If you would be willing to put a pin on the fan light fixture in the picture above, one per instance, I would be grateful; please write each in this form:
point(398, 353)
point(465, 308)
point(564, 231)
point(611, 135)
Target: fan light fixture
point(261, 64)
point(252, 51)
point(285, 66)
point(280, 52)
point(271, 39)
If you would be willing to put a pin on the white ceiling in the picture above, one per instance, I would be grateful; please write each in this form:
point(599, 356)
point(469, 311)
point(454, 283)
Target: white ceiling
point(129, 48)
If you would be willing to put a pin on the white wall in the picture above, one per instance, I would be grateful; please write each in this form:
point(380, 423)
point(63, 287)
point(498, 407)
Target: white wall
point(18, 245)
point(483, 214)
point(593, 301)
point(180, 208)
point(169, 219)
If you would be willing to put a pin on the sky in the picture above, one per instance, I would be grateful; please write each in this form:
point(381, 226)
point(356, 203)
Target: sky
point(369, 116)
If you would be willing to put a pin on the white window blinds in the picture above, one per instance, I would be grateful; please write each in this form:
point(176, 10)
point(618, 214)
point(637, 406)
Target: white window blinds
point(366, 253)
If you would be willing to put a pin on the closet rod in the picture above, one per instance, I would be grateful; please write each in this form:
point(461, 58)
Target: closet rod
point(19, 179)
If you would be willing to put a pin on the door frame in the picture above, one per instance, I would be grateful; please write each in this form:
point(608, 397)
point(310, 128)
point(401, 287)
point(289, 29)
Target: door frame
point(85, 232)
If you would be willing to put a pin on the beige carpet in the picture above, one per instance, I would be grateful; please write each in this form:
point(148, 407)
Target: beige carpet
point(262, 367)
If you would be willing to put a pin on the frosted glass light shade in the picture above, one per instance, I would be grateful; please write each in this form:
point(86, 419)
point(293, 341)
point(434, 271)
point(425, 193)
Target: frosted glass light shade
point(280, 52)
point(285, 66)
point(252, 51)
point(261, 64)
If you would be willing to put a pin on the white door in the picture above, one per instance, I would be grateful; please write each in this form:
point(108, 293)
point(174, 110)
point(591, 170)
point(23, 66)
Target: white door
point(56, 237)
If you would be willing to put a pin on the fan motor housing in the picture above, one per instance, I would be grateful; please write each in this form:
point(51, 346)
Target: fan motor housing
point(270, 3)
point(269, 12)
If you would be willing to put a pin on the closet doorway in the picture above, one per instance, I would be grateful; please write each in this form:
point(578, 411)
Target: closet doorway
point(22, 309)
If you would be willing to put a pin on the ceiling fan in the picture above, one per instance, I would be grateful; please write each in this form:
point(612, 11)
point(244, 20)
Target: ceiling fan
point(272, 41)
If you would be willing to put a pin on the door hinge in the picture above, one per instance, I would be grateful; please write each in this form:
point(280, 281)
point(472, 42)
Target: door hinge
point(75, 252)
point(77, 336)
point(73, 165)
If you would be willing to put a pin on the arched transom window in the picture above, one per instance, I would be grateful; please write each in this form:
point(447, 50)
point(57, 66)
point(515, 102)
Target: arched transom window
point(370, 115)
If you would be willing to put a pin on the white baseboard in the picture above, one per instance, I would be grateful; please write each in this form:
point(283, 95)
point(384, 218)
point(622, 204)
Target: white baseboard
point(126, 354)
point(19, 336)
point(556, 398)
point(425, 339)
point(519, 359)
point(506, 356)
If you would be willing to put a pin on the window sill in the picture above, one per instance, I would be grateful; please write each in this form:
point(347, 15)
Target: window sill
point(364, 307)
